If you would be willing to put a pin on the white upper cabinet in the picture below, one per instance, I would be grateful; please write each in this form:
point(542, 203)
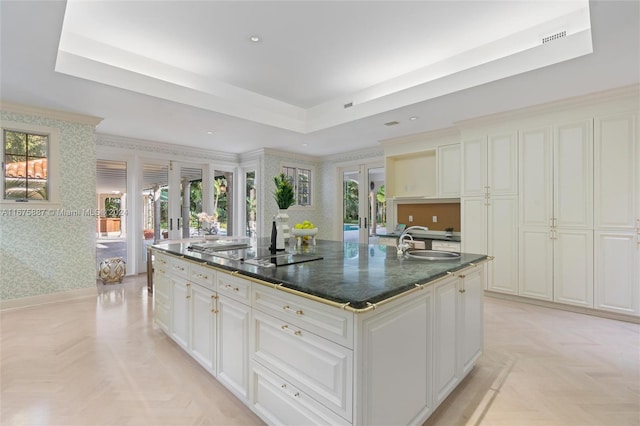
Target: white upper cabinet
point(573, 175)
point(449, 171)
point(423, 165)
point(615, 172)
point(490, 165)
point(502, 164)
point(536, 177)
point(474, 167)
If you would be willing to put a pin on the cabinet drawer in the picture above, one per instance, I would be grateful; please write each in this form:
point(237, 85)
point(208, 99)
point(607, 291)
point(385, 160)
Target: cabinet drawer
point(178, 267)
point(234, 287)
point(445, 246)
point(327, 321)
point(203, 276)
point(279, 402)
point(160, 262)
point(316, 366)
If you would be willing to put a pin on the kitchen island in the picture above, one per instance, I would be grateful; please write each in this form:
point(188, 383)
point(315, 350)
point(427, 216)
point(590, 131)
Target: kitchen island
point(354, 334)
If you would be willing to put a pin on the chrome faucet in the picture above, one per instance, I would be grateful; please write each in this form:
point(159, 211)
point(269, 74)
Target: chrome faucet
point(402, 246)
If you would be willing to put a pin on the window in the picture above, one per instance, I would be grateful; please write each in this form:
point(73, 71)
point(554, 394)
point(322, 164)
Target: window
point(301, 180)
point(29, 164)
point(25, 165)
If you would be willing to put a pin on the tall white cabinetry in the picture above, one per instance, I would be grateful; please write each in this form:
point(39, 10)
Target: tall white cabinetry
point(556, 213)
point(489, 205)
point(617, 216)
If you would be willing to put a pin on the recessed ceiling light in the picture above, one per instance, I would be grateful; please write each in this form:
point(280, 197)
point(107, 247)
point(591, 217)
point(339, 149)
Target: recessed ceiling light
point(209, 132)
point(255, 39)
point(305, 144)
point(413, 118)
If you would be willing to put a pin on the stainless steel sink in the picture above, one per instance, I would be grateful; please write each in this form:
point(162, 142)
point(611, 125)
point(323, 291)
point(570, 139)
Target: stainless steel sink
point(432, 255)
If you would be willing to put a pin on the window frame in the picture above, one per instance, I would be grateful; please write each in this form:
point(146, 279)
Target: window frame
point(53, 165)
point(297, 168)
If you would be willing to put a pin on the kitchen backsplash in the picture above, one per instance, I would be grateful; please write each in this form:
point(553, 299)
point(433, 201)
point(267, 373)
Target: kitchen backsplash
point(447, 214)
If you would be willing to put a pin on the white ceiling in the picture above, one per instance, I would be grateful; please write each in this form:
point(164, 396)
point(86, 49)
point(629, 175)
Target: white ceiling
point(172, 71)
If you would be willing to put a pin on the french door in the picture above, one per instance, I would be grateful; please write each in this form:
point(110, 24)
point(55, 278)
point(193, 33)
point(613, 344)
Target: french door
point(363, 206)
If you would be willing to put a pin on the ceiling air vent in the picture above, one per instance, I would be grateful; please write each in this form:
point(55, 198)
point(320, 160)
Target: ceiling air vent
point(554, 37)
point(349, 105)
point(391, 123)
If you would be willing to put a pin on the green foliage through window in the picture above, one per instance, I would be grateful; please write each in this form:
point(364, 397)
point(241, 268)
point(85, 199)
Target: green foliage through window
point(25, 165)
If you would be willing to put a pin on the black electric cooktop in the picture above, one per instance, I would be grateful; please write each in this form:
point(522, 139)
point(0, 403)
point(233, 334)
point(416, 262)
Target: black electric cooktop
point(257, 256)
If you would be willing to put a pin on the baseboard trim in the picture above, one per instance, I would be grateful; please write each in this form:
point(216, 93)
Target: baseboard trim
point(61, 296)
point(563, 307)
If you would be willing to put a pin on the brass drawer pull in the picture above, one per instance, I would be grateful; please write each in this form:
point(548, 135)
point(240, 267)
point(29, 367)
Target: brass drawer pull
point(289, 309)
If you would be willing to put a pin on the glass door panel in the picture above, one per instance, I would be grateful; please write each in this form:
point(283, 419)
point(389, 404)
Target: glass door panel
point(363, 207)
point(351, 205)
point(251, 205)
point(155, 205)
point(376, 204)
point(111, 223)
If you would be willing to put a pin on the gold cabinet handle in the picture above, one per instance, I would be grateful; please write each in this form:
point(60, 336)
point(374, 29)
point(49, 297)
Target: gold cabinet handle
point(215, 311)
point(288, 308)
point(296, 332)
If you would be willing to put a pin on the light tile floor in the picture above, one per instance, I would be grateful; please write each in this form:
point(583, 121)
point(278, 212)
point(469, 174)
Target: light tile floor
point(101, 360)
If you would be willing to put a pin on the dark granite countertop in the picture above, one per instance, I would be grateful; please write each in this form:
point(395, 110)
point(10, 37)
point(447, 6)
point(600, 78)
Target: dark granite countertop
point(351, 273)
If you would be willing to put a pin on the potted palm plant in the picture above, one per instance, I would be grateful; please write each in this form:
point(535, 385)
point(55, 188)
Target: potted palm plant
point(285, 198)
point(284, 192)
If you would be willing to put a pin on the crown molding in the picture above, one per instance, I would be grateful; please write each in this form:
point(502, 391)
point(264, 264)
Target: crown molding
point(360, 154)
point(290, 155)
point(590, 99)
point(50, 113)
point(142, 145)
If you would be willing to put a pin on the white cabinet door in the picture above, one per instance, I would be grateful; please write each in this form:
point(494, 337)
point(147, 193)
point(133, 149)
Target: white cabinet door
point(162, 299)
point(616, 272)
point(503, 244)
point(233, 345)
point(203, 326)
point(449, 171)
point(536, 178)
point(474, 225)
point(471, 312)
point(397, 341)
point(573, 267)
point(615, 172)
point(445, 338)
point(573, 175)
point(502, 166)
point(180, 312)
point(474, 167)
point(535, 266)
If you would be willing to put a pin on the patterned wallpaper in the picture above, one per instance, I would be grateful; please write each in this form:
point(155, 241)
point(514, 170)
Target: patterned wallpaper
point(56, 252)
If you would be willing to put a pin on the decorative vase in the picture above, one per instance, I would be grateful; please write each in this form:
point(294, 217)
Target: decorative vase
point(282, 226)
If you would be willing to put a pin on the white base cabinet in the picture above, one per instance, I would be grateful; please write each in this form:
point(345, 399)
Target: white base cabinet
point(616, 272)
point(233, 346)
point(398, 360)
point(297, 361)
